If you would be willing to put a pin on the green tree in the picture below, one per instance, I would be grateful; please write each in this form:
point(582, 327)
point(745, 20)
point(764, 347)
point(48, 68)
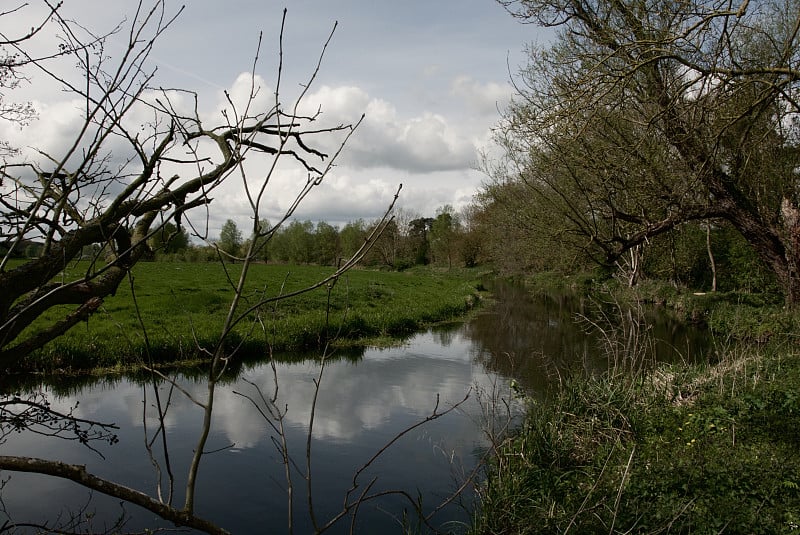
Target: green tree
point(471, 248)
point(262, 234)
point(169, 239)
point(326, 250)
point(298, 239)
point(385, 250)
point(643, 115)
point(444, 236)
point(418, 244)
point(230, 238)
point(514, 237)
point(352, 237)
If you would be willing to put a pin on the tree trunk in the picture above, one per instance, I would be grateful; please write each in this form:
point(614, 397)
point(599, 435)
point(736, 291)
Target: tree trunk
point(779, 249)
point(791, 222)
point(711, 258)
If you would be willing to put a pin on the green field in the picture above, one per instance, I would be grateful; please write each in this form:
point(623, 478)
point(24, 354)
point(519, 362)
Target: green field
point(182, 307)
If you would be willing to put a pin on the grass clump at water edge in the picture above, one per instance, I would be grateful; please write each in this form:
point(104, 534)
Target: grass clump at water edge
point(679, 449)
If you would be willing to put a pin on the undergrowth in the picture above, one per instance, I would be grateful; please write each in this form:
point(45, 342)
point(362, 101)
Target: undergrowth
point(704, 448)
point(694, 448)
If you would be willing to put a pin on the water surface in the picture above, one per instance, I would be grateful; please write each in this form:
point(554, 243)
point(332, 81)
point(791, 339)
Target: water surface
point(362, 405)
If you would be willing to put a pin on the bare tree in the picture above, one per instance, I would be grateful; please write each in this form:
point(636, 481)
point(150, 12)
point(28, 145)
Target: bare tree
point(642, 116)
point(117, 184)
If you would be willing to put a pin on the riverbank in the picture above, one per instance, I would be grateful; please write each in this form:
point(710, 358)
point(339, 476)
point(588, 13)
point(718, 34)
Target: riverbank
point(176, 311)
point(709, 447)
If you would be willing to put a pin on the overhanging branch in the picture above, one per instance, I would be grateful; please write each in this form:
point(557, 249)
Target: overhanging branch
point(78, 474)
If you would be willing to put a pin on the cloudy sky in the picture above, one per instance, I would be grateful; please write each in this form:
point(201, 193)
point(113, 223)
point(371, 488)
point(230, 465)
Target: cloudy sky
point(429, 75)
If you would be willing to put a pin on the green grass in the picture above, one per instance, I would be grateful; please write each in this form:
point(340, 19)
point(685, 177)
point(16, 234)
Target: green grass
point(697, 449)
point(710, 447)
point(182, 307)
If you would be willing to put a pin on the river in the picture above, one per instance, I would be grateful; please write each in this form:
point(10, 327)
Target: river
point(363, 404)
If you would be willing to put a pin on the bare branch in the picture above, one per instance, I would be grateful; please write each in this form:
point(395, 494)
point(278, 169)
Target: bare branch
point(78, 474)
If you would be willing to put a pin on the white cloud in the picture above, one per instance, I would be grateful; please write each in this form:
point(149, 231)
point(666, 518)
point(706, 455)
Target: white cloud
point(52, 132)
point(483, 98)
point(424, 152)
point(250, 96)
point(428, 102)
point(420, 143)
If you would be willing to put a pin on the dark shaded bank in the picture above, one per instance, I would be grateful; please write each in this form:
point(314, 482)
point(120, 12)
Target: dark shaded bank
point(538, 333)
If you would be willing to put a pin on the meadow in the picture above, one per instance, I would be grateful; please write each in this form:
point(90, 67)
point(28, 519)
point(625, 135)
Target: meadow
point(173, 312)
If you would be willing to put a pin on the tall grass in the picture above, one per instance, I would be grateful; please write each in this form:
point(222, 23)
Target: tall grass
point(704, 448)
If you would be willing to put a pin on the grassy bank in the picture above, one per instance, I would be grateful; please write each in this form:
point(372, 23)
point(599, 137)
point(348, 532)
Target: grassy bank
point(704, 448)
point(182, 307)
point(738, 315)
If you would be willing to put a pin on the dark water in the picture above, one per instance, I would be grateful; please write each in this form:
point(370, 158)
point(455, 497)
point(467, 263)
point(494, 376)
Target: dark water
point(539, 338)
point(363, 404)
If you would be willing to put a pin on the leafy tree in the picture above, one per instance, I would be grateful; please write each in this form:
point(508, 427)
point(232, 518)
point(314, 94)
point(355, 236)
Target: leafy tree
point(513, 236)
point(444, 235)
point(352, 237)
point(644, 115)
point(681, 256)
point(326, 244)
point(386, 249)
point(471, 248)
point(169, 239)
point(261, 236)
point(293, 243)
point(230, 238)
point(419, 245)
point(298, 241)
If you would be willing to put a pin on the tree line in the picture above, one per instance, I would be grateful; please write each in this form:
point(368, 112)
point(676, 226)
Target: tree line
point(650, 138)
point(446, 240)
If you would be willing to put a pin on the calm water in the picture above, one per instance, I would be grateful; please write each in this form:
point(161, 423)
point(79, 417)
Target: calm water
point(363, 403)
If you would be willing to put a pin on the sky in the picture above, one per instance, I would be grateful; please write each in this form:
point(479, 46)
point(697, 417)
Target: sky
point(430, 76)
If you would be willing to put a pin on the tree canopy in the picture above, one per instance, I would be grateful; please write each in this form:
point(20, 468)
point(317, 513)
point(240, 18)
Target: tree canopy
point(644, 115)
point(230, 238)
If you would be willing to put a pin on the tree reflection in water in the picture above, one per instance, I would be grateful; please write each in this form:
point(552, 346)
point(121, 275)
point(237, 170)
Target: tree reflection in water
point(537, 338)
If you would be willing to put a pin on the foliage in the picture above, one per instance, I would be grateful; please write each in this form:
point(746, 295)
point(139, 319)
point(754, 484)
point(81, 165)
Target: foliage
point(326, 245)
point(447, 243)
point(352, 236)
point(444, 236)
point(640, 117)
point(230, 238)
point(169, 239)
point(504, 221)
